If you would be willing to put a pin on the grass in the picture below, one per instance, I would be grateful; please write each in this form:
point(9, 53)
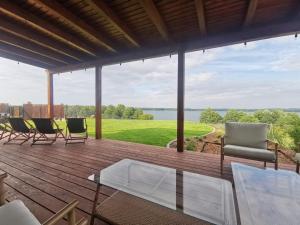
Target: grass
point(152, 132)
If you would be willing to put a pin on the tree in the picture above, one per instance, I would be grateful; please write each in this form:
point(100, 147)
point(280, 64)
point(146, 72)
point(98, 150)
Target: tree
point(128, 113)
point(233, 115)
point(109, 112)
point(210, 116)
point(268, 116)
point(119, 110)
point(248, 118)
point(137, 114)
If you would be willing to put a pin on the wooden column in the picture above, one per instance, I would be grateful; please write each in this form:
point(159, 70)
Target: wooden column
point(98, 92)
point(50, 95)
point(180, 102)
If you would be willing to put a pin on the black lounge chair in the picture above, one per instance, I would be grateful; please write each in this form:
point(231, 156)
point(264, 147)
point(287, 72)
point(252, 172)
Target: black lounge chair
point(4, 129)
point(47, 131)
point(76, 130)
point(20, 131)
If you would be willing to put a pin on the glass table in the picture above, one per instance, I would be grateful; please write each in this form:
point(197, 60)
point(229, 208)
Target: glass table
point(193, 195)
point(267, 196)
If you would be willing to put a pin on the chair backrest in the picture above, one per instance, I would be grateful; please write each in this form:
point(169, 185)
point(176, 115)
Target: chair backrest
point(76, 125)
point(18, 125)
point(252, 135)
point(44, 125)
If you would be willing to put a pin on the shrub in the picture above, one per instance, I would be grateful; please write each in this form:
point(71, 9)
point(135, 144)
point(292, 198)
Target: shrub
point(210, 116)
point(191, 146)
point(146, 117)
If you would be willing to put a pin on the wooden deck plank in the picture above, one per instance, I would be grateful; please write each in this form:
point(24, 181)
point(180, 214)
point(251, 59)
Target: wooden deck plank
point(47, 177)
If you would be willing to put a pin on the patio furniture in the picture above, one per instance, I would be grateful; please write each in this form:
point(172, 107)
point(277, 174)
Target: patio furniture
point(16, 213)
point(2, 191)
point(247, 140)
point(20, 131)
point(297, 158)
point(47, 131)
point(4, 128)
point(267, 196)
point(76, 131)
point(149, 194)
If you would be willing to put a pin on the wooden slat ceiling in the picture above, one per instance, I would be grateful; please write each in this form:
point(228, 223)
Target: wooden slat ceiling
point(62, 33)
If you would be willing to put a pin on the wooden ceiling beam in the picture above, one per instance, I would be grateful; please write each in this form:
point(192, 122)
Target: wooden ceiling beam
point(40, 39)
point(17, 58)
point(29, 55)
point(16, 12)
point(250, 12)
point(213, 41)
point(199, 4)
point(105, 11)
point(61, 12)
point(32, 47)
point(156, 18)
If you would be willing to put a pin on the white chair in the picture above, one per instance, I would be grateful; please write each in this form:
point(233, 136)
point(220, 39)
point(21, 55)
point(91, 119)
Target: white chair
point(247, 140)
point(16, 213)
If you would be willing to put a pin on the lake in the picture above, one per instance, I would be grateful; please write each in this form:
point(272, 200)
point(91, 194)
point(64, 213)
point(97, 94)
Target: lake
point(190, 115)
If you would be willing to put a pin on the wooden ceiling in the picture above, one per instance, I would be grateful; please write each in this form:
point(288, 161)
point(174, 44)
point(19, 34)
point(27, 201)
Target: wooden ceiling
point(60, 34)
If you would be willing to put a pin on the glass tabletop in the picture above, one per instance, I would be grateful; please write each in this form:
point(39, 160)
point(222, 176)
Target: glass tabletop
point(267, 196)
point(203, 197)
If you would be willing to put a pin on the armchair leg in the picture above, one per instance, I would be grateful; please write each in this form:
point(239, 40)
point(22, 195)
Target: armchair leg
point(297, 168)
point(222, 162)
point(265, 164)
point(276, 165)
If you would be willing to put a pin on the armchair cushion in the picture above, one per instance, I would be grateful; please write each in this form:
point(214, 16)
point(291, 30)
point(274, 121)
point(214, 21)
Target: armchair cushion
point(252, 135)
point(16, 212)
point(251, 153)
point(297, 157)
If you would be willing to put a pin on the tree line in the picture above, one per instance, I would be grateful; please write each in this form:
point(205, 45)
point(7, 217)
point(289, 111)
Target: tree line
point(284, 126)
point(119, 111)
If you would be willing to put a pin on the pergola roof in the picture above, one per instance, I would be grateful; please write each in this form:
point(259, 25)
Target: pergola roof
point(63, 35)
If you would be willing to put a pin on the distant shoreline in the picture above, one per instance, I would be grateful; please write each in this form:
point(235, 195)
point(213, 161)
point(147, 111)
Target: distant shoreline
point(225, 109)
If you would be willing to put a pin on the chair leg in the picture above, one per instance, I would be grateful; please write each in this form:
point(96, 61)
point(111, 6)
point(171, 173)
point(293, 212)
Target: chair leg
point(265, 164)
point(222, 162)
point(276, 165)
point(297, 168)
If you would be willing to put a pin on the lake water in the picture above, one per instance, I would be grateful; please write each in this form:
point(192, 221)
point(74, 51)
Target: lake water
point(172, 114)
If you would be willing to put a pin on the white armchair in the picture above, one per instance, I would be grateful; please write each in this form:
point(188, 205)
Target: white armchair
point(247, 140)
point(16, 213)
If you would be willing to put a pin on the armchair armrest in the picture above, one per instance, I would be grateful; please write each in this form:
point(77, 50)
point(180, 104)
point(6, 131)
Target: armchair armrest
point(69, 211)
point(3, 175)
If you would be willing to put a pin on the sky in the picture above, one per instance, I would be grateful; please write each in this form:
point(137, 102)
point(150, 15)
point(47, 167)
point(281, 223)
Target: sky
point(261, 74)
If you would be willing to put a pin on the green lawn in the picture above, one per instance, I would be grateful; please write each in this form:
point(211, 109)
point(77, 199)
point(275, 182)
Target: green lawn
point(152, 132)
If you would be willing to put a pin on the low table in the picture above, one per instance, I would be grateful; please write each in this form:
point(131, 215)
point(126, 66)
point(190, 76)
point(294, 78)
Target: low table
point(152, 194)
point(267, 196)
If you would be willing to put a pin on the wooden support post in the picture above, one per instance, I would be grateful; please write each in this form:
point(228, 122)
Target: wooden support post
point(50, 95)
point(180, 102)
point(98, 91)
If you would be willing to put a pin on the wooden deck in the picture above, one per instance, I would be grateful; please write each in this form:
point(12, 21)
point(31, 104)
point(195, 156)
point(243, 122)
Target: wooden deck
point(48, 177)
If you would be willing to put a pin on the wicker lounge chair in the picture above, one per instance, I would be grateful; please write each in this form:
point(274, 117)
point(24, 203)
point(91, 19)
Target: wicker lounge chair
point(16, 213)
point(47, 131)
point(247, 140)
point(20, 131)
point(76, 130)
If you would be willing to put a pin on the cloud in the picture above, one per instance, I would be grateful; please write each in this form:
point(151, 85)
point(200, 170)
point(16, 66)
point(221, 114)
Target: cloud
point(261, 74)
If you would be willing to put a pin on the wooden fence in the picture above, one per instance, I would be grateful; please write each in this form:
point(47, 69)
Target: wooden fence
point(29, 110)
